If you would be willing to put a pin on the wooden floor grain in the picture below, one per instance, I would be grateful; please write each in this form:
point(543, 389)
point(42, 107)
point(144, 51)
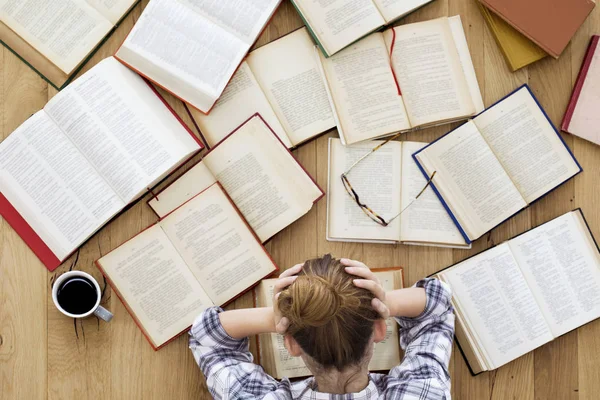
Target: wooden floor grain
point(44, 355)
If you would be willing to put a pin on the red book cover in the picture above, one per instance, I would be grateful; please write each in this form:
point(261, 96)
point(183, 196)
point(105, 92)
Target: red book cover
point(122, 298)
point(28, 234)
point(581, 80)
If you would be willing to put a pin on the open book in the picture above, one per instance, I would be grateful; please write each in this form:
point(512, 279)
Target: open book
point(257, 171)
point(436, 82)
point(95, 147)
point(55, 37)
point(523, 293)
point(192, 48)
point(498, 163)
point(202, 254)
point(280, 81)
point(336, 24)
point(387, 181)
point(277, 362)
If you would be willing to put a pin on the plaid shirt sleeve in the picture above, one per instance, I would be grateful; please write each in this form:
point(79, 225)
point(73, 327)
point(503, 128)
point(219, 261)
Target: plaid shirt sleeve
point(427, 343)
point(226, 362)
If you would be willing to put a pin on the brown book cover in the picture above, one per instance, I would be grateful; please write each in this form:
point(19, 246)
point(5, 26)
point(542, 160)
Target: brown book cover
point(549, 23)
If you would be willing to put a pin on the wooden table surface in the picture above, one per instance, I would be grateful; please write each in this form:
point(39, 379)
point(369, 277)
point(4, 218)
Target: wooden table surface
point(44, 354)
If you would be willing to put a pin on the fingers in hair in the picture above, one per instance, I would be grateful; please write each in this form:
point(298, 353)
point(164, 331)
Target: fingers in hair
point(352, 263)
point(291, 271)
point(364, 273)
point(282, 283)
point(371, 286)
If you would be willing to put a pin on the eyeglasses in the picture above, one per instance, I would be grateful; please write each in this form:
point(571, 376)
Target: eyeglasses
point(366, 209)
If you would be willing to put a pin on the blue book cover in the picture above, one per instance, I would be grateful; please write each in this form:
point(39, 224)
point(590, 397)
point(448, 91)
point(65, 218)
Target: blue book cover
point(445, 203)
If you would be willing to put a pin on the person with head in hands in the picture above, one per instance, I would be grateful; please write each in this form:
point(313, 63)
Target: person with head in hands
point(331, 313)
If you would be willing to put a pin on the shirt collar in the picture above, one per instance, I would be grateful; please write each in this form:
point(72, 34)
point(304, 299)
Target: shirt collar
point(304, 390)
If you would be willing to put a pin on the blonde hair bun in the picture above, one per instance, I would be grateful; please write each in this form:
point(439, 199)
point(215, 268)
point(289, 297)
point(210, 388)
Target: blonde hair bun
point(330, 318)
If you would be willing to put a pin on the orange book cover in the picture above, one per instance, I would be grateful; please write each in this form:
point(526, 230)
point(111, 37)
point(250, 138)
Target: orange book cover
point(549, 23)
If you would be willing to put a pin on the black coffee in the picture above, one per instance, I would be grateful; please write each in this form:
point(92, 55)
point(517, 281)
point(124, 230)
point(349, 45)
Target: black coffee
point(77, 295)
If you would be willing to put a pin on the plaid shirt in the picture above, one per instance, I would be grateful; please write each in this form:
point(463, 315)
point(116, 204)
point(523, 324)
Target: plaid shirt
point(422, 375)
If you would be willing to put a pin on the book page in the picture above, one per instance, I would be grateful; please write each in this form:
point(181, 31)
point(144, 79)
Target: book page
point(188, 185)
point(64, 31)
point(112, 10)
point(429, 72)
point(426, 219)
point(527, 145)
point(53, 186)
point(364, 91)
point(241, 99)
point(396, 9)
point(386, 354)
point(471, 180)
point(499, 307)
point(262, 177)
point(242, 18)
point(288, 73)
point(376, 180)
point(337, 23)
point(462, 47)
point(155, 284)
point(186, 54)
point(563, 271)
point(122, 127)
point(217, 245)
point(274, 357)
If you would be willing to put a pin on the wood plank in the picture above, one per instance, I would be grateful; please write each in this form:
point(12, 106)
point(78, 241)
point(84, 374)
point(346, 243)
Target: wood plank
point(23, 278)
point(556, 362)
point(46, 355)
point(587, 191)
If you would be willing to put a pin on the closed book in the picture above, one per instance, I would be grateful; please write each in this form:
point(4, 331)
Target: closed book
point(549, 23)
point(581, 118)
point(518, 51)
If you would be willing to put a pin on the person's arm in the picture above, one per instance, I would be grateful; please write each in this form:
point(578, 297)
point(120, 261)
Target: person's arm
point(426, 319)
point(219, 342)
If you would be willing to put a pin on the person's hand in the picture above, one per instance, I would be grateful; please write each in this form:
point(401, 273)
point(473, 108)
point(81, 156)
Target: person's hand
point(368, 280)
point(285, 279)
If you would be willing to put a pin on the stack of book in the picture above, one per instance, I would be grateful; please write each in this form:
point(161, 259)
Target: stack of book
point(527, 31)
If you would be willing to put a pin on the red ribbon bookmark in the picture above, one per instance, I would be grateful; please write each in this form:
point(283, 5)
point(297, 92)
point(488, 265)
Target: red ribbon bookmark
point(391, 66)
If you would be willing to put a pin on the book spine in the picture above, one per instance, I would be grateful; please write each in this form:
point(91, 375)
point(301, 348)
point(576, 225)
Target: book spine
point(125, 304)
point(168, 106)
point(29, 236)
point(589, 56)
point(490, 23)
point(310, 30)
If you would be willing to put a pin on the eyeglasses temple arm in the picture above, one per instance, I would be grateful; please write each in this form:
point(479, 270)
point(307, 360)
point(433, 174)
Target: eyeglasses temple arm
point(372, 151)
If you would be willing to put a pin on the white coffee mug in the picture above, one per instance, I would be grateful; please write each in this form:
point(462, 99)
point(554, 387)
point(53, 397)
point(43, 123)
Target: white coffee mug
point(97, 310)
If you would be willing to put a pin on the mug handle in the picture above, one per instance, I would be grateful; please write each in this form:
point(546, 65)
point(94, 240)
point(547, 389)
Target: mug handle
point(103, 314)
